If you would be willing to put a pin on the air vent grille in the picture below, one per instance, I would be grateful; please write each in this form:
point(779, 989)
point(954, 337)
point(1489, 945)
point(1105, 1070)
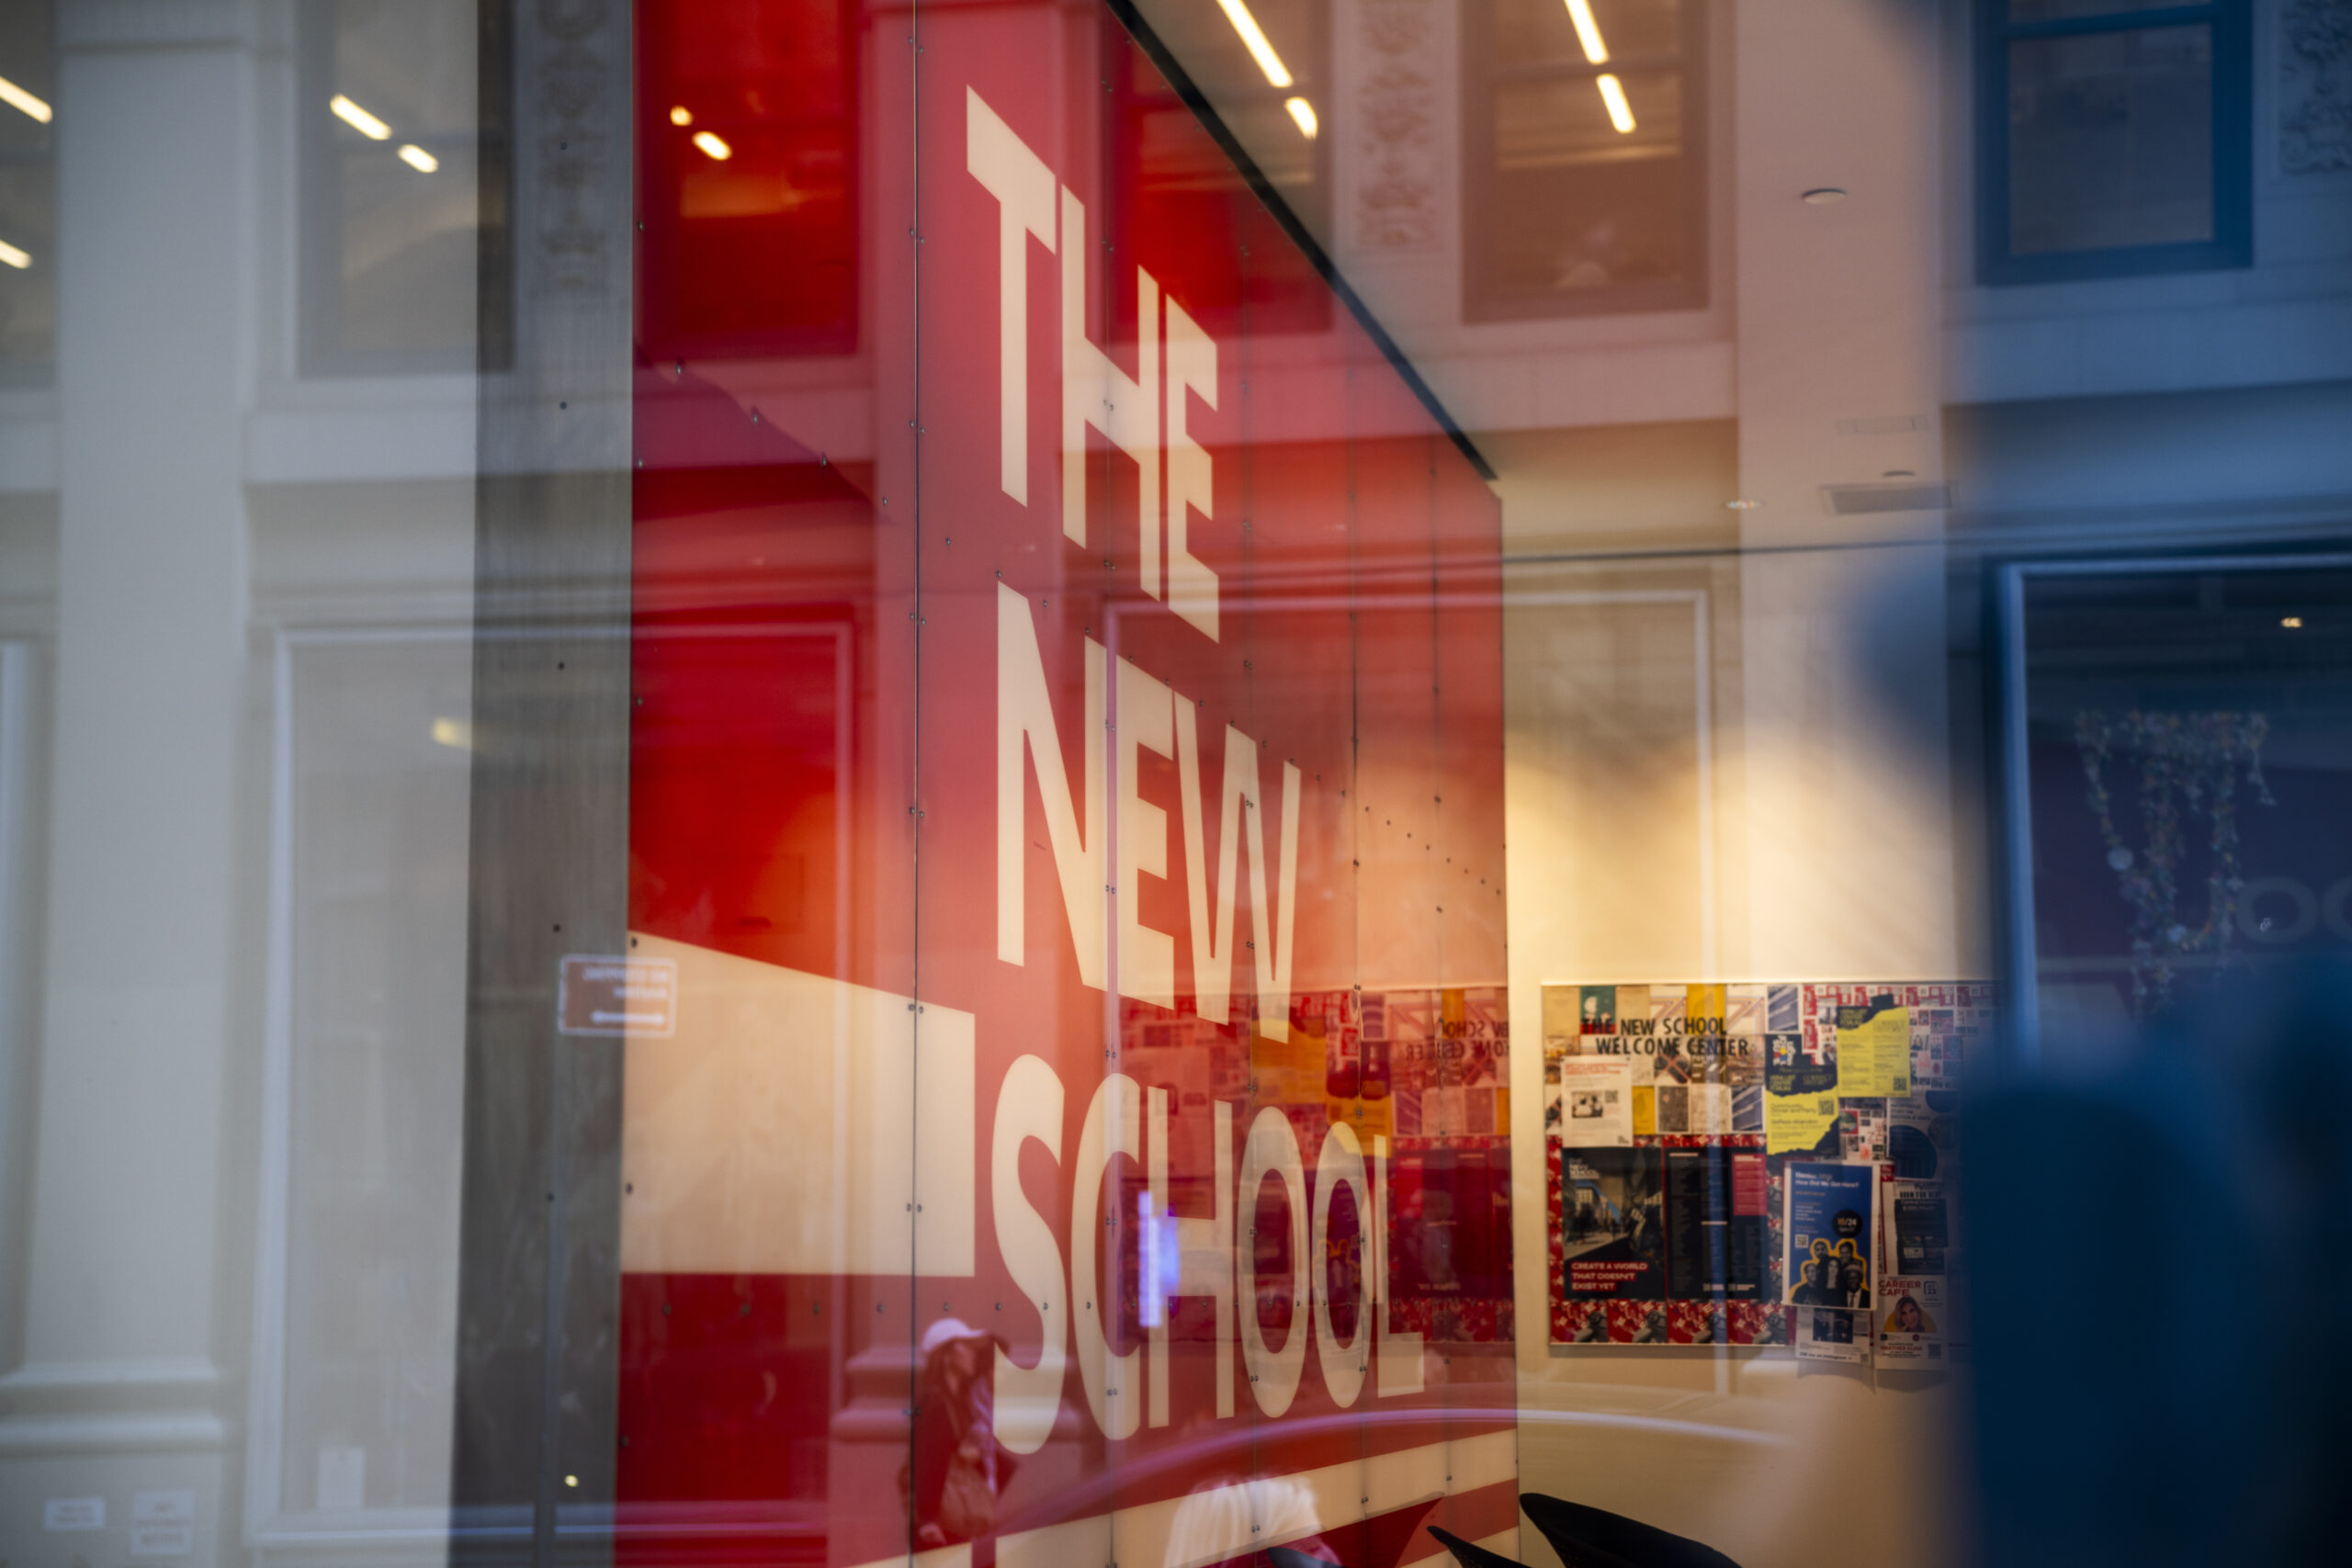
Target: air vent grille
point(1850, 500)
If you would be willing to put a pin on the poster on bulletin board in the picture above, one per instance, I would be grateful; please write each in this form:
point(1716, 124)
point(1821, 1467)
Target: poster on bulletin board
point(1693, 1130)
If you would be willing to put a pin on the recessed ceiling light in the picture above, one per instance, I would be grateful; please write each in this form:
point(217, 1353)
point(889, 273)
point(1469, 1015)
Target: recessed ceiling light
point(1822, 196)
point(681, 115)
point(2290, 621)
point(1745, 503)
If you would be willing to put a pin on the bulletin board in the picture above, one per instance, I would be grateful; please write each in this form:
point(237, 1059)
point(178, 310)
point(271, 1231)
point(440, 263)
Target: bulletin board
point(1760, 1164)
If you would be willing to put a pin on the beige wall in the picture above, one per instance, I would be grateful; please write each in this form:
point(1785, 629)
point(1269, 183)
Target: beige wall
point(1638, 781)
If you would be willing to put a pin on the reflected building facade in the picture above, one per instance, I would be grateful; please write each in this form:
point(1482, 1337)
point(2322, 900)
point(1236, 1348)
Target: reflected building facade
point(776, 775)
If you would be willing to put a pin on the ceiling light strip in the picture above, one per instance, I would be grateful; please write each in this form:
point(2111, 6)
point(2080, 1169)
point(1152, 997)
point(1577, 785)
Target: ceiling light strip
point(1621, 113)
point(1254, 38)
point(17, 99)
point(1587, 31)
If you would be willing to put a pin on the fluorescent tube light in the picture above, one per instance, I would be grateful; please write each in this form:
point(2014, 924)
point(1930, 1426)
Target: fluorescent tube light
point(417, 158)
point(15, 257)
point(712, 147)
point(1621, 113)
point(360, 120)
point(1255, 38)
point(1587, 31)
point(17, 97)
point(1303, 112)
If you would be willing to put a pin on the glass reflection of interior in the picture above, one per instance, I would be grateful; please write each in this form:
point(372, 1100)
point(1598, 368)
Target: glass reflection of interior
point(396, 159)
point(1584, 185)
point(28, 191)
point(2185, 734)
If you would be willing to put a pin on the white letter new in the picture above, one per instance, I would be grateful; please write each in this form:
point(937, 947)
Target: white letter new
point(1025, 721)
point(1239, 817)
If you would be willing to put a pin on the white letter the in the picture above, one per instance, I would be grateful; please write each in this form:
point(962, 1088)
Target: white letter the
point(1192, 367)
point(1024, 188)
point(1097, 392)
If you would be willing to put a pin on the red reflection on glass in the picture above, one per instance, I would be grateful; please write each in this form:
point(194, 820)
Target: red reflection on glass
point(747, 150)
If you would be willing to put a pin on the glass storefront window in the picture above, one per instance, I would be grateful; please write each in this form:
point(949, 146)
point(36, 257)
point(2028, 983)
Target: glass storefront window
point(1240, 783)
point(1585, 178)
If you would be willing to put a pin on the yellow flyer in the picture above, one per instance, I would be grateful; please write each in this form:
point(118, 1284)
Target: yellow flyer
point(1874, 1051)
point(1800, 1094)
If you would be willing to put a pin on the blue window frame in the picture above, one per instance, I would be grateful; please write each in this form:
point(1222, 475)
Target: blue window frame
point(2114, 138)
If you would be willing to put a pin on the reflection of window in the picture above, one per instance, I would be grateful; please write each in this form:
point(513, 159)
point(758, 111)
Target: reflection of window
point(1266, 58)
point(1192, 195)
point(747, 126)
point(1584, 183)
point(403, 187)
point(27, 193)
point(2175, 779)
point(368, 910)
point(2113, 136)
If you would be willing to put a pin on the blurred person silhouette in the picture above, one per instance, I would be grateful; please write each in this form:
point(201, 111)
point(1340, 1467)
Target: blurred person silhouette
point(2200, 1181)
point(1587, 1537)
point(1221, 1519)
point(958, 1470)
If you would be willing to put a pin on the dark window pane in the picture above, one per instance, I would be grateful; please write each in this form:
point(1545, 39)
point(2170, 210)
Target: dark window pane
point(2068, 10)
point(28, 267)
point(1579, 205)
point(409, 198)
point(28, 191)
point(27, 62)
point(2110, 139)
point(396, 220)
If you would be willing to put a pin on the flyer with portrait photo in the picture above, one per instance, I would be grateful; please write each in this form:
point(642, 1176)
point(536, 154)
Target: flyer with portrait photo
point(1911, 1321)
point(1830, 1225)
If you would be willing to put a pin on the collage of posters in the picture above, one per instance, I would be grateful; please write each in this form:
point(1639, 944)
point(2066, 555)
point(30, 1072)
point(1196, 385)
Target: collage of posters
point(1761, 1164)
point(1422, 1072)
